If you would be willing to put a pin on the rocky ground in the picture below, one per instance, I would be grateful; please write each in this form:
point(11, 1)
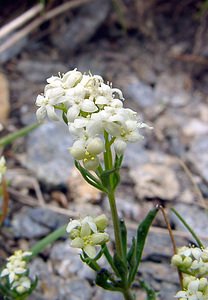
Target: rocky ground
point(159, 61)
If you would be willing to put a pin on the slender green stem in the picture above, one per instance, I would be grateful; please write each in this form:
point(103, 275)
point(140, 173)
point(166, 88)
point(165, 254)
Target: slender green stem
point(128, 295)
point(189, 228)
point(116, 224)
point(42, 244)
point(109, 259)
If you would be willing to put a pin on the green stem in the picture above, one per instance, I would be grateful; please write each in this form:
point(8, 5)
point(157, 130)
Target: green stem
point(128, 295)
point(189, 228)
point(116, 224)
point(42, 244)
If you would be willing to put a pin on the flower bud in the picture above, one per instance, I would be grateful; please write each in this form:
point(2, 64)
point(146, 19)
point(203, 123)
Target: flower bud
point(91, 163)
point(187, 262)
point(95, 146)
point(101, 222)
point(176, 260)
point(202, 283)
point(100, 238)
point(20, 289)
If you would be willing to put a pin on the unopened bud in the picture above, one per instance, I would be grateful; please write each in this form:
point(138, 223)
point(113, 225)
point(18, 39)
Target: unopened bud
point(101, 222)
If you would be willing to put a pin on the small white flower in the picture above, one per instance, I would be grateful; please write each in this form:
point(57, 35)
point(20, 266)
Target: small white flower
point(85, 235)
point(21, 285)
point(45, 108)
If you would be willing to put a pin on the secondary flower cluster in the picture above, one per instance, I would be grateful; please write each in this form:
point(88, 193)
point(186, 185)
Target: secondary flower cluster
point(193, 262)
point(90, 107)
point(88, 233)
point(2, 167)
point(16, 271)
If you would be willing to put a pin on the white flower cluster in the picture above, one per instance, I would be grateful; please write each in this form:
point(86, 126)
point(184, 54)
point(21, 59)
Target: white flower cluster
point(91, 107)
point(2, 167)
point(193, 262)
point(88, 233)
point(194, 289)
point(17, 272)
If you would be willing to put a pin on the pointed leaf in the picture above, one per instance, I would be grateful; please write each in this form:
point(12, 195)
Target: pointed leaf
point(123, 236)
point(142, 232)
point(120, 266)
point(131, 255)
point(151, 295)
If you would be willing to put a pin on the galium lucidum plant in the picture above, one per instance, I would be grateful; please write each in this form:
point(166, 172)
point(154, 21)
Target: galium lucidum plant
point(102, 128)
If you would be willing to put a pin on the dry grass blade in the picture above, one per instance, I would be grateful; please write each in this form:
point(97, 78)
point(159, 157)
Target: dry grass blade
point(21, 20)
point(38, 21)
point(5, 203)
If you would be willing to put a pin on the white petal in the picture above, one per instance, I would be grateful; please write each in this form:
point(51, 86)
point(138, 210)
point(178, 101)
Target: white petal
point(73, 224)
point(90, 222)
point(181, 294)
point(5, 272)
point(119, 146)
point(41, 113)
point(73, 113)
point(88, 106)
point(77, 243)
point(90, 251)
point(51, 113)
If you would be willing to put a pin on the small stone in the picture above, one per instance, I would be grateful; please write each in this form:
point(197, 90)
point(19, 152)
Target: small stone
point(173, 89)
point(195, 127)
point(155, 181)
point(80, 190)
point(47, 154)
point(4, 99)
point(66, 262)
point(139, 92)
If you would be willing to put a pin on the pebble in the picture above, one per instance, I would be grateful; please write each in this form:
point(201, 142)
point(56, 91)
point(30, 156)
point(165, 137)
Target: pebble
point(80, 190)
point(155, 181)
point(173, 89)
point(47, 154)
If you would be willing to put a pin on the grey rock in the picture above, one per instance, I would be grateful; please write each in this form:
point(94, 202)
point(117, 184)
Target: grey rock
point(173, 89)
point(37, 71)
point(66, 262)
point(36, 222)
point(155, 181)
point(24, 227)
point(139, 92)
point(47, 218)
point(13, 50)
point(106, 295)
point(198, 155)
point(47, 153)
point(195, 216)
point(75, 289)
point(83, 27)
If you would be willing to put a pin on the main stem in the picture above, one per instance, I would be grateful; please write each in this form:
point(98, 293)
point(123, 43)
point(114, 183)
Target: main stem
point(116, 225)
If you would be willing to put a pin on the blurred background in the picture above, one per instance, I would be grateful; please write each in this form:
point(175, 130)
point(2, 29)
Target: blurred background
point(156, 52)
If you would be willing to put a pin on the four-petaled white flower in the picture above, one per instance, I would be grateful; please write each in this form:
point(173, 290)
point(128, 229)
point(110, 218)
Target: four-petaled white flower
point(88, 233)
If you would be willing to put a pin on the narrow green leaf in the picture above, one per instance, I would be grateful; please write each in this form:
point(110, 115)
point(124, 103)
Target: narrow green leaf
point(103, 280)
point(123, 236)
point(142, 232)
point(89, 177)
point(131, 255)
point(199, 243)
point(151, 294)
point(8, 139)
point(120, 266)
